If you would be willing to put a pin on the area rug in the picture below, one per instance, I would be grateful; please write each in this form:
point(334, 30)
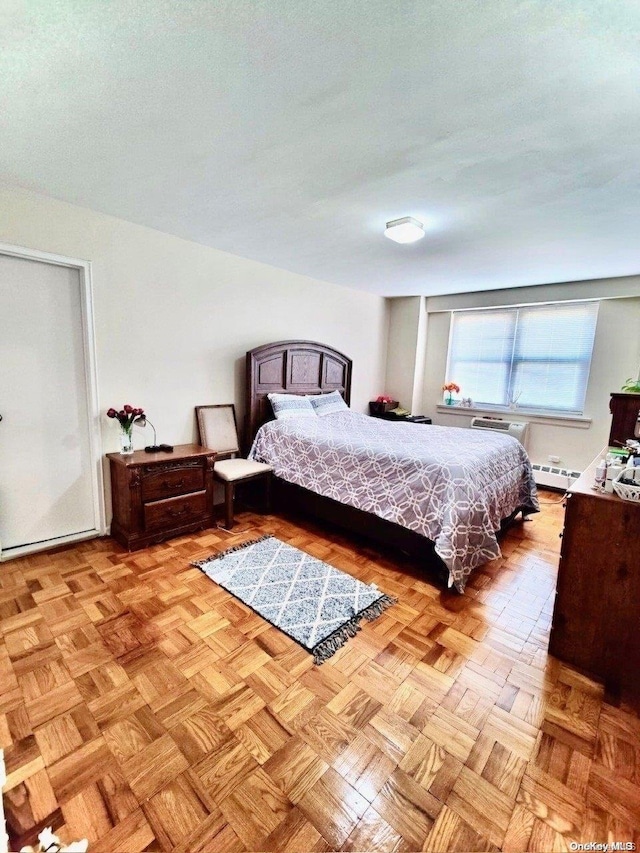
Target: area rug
point(316, 605)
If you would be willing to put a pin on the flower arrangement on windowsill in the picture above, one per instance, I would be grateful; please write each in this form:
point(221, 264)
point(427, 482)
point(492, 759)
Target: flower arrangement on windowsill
point(126, 417)
point(450, 388)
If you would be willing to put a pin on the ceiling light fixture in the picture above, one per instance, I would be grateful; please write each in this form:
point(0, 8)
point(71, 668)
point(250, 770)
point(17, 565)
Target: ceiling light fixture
point(405, 230)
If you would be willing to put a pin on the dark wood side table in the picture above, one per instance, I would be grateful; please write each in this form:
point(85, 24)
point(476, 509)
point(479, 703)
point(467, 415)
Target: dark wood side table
point(411, 419)
point(159, 495)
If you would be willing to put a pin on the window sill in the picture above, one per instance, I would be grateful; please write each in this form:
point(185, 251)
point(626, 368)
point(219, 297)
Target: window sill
point(578, 421)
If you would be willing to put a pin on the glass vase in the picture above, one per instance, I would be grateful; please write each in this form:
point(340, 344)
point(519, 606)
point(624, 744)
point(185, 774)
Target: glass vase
point(449, 401)
point(126, 440)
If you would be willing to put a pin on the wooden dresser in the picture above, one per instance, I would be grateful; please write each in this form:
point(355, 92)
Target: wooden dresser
point(596, 620)
point(159, 495)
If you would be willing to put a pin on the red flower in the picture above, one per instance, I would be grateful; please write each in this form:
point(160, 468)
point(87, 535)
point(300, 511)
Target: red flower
point(126, 416)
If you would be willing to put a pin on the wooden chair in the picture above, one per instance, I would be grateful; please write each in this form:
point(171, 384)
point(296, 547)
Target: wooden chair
point(218, 431)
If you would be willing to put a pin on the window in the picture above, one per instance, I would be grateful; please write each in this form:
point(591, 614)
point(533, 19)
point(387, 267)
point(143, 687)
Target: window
point(537, 357)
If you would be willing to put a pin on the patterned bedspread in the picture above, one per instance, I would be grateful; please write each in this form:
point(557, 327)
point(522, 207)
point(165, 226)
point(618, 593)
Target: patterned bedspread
point(452, 485)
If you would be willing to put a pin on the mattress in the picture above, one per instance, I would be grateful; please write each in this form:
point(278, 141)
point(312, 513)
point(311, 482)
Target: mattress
point(451, 485)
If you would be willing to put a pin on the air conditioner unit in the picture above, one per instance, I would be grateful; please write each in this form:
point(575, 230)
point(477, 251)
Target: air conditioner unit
point(518, 429)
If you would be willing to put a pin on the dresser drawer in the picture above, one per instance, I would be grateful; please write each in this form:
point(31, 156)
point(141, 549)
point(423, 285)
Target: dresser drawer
point(174, 512)
point(175, 481)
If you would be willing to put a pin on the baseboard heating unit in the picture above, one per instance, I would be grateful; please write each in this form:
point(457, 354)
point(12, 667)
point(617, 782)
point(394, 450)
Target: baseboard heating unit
point(518, 429)
point(556, 478)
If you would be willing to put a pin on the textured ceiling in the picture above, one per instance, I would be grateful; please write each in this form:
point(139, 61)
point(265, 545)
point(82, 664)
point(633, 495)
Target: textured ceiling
point(290, 131)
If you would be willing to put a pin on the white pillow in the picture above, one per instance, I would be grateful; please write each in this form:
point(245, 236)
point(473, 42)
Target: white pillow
point(287, 406)
point(328, 404)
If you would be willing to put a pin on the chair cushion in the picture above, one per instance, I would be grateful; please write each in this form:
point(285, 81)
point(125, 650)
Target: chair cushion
point(238, 469)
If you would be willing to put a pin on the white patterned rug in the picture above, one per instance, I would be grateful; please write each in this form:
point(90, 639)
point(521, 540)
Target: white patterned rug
point(313, 603)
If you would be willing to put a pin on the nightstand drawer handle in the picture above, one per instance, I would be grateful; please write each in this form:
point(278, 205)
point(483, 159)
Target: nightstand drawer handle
point(167, 485)
point(176, 513)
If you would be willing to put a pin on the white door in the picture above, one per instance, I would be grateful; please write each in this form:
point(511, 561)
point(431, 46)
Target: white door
point(47, 477)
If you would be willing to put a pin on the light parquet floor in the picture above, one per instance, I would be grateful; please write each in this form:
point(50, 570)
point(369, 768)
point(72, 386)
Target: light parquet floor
point(146, 709)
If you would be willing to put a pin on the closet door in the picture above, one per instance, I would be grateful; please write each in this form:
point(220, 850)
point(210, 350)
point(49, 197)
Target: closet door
point(47, 473)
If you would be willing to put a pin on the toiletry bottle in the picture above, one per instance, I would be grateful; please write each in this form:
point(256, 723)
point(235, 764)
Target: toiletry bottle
point(601, 474)
point(612, 472)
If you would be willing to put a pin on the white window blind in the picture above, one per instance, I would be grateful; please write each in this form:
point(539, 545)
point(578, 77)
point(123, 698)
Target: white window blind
point(538, 357)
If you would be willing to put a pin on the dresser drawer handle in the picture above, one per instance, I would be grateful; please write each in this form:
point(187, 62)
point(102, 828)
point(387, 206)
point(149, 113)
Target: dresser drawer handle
point(167, 485)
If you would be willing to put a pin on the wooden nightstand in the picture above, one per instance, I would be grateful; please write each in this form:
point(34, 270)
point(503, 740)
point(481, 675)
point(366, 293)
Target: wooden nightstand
point(159, 495)
point(402, 419)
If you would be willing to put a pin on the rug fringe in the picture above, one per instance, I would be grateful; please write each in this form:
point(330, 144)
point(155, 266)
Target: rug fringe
point(220, 554)
point(329, 646)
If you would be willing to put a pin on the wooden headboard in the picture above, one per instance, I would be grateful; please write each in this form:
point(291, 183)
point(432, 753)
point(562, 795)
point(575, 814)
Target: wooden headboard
point(291, 367)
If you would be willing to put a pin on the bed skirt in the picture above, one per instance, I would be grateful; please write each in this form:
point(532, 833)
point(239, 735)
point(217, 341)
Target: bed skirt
point(295, 500)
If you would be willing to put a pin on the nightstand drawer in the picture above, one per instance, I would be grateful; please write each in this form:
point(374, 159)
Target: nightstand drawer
point(174, 512)
point(176, 481)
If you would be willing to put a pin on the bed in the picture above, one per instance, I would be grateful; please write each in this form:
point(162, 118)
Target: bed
point(429, 490)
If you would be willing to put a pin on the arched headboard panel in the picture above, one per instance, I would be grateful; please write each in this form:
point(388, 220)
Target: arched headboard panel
point(291, 367)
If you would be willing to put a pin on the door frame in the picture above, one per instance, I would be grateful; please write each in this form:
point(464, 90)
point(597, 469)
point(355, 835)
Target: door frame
point(91, 386)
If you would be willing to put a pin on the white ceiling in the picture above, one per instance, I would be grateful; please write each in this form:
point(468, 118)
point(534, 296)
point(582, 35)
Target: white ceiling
point(289, 131)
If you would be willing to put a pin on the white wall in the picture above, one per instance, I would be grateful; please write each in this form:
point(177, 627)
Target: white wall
point(174, 318)
point(404, 325)
point(616, 356)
